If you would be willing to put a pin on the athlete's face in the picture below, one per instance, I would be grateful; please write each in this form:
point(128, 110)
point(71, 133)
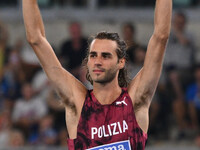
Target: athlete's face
point(103, 63)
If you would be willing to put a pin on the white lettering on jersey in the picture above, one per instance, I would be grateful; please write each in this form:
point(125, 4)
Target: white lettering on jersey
point(93, 131)
point(125, 126)
point(100, 132)
point(109, 130)
point(114, 128)
point(120, 129)
point(104, 132)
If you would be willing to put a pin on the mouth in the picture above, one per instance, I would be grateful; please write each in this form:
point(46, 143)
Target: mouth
point(98, 70)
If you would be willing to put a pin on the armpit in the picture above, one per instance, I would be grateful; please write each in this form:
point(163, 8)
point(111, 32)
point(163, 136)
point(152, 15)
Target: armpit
point(67, 103)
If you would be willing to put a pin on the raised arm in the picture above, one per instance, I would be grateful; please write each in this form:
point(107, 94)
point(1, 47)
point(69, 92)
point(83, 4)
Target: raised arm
point(142, 87)
point(64, 82)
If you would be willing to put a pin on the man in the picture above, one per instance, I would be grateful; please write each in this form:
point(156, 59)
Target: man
point(28, 110)
point(128, 31)
point(107, 116)
point(74, 50)
point(129, 34)
point(181, 45)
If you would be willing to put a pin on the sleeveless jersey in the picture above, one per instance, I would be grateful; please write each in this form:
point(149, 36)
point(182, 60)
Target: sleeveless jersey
point(108, 125)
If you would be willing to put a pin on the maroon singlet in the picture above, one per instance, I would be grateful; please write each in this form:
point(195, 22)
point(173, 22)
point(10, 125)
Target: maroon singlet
point(104, 124)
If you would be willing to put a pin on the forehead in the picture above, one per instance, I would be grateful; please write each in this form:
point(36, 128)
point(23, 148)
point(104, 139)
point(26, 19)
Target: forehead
point(103, 45)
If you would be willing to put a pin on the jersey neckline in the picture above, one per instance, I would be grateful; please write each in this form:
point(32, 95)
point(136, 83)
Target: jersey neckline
point(113, 103)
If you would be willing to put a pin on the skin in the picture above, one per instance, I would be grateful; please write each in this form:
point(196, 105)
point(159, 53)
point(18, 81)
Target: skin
point(104, 66)
point(103, 61)
point(73, 93)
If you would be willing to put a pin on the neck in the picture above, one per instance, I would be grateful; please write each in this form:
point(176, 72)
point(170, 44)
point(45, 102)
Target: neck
point(107, 93)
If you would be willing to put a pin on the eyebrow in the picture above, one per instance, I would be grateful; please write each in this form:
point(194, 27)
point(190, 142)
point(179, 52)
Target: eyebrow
point(92, 53)
point(103, 53)
point(106, 53)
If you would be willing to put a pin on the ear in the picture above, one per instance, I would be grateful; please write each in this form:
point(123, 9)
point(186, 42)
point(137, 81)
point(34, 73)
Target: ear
point(122, 63)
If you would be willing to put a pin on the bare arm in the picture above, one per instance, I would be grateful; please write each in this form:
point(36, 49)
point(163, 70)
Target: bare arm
point(66, 84)
point(142, 87)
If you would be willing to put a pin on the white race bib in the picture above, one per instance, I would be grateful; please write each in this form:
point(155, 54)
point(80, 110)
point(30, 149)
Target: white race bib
point(123, 145)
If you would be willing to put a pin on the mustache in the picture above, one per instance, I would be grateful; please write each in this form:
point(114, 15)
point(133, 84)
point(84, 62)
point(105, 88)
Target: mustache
point(99, 68)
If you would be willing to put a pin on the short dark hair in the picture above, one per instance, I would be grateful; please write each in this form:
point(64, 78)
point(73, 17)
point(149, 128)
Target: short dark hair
point(123, 79)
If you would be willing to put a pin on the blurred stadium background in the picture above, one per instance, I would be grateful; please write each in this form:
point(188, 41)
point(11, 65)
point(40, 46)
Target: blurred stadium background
point(31, 116)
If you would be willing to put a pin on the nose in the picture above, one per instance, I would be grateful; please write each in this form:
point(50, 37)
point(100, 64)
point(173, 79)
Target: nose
point(98, 61)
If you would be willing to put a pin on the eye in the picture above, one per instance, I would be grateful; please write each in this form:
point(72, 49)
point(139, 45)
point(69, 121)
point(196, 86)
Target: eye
point(106, 56)
point(92, 55)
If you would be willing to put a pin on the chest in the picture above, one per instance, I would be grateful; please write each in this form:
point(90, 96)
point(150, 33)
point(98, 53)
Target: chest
point(111, 126)
point(105, 122)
